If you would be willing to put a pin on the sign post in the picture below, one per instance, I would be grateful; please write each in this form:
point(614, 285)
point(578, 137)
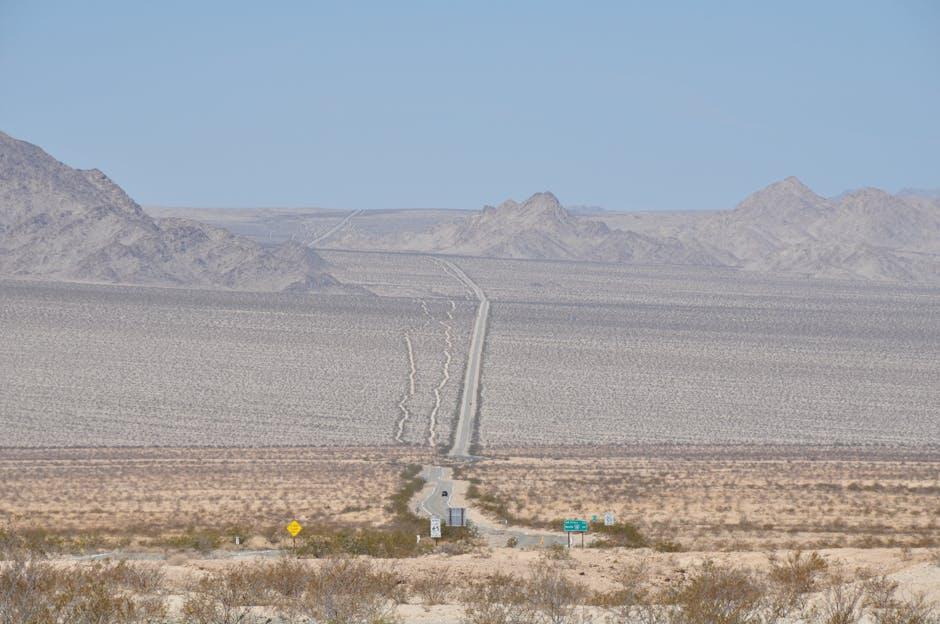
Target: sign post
point(294, 528)
point(609, 518)
point(575, 526)
point(435, 527)
point(457, 516)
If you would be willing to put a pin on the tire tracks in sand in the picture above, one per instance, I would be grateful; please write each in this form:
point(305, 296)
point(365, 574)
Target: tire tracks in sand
point(445, 373)
point(411, 387)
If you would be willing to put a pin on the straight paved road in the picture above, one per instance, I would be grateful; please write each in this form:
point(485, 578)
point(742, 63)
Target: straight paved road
point(471, 379)
point(333, 230)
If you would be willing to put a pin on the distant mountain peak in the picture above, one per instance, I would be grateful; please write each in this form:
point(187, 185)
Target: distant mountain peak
point(540, 207)
point(790, 185)
point(868, 193)
point(787, 201)
point(792, 181)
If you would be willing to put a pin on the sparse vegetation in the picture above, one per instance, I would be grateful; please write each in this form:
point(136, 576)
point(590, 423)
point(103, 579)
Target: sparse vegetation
point(545, 596)
point(37, 592)
point(792, 587)
point(705, 498)
point(617, 535)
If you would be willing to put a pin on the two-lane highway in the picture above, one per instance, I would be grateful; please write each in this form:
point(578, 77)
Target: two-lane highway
point(463, 431)
point(435, 503)
point(439, 478)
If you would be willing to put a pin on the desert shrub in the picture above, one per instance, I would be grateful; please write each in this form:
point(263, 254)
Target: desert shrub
point(498, 599)
point(793, 578)
point(667, 546)
point(545, 596)
point(798, 572)
point(512, 541)
point(340, 591)
point(432, 589)
point(201, 540)
point(35, 592)
point(841, 602)
point(378, 543)
point(139, 578)
point(227, 597)
point(883, 605)
point(557, 552)
point(399, 507)
point(492, 504)
point(344, 591)
point(720, 595)
point(457, 547)
point(23, 585)
point(28, 543)
point(288, 578)
point(635, 589)
point(552, 598)
point(917, 610)
point(619, 535)
point(879, 592)
point(274, 583)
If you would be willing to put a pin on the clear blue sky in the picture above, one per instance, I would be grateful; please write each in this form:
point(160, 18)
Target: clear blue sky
point(641, 105)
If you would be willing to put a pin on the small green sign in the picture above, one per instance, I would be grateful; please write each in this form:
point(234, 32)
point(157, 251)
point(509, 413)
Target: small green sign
point(576, 526)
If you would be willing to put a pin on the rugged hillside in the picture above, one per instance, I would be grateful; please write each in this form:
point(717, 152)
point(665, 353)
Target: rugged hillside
point(538, 228)
point(866, 233)
point(63, 223)
point(785, 227)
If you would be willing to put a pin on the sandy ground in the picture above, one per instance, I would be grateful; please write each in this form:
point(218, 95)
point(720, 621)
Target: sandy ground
point(917, 571)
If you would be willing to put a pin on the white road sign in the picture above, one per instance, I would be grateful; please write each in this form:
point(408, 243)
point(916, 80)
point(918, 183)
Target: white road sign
point(609, 518)
point(435, 527)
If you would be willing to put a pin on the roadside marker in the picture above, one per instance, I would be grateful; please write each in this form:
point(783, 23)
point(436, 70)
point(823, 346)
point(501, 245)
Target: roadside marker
point(294, 528)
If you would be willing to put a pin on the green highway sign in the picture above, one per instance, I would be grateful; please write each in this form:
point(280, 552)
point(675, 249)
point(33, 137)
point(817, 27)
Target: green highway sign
point(576, 526)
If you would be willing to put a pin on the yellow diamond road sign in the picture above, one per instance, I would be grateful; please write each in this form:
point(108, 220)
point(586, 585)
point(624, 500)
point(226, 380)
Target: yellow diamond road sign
point(294, 528)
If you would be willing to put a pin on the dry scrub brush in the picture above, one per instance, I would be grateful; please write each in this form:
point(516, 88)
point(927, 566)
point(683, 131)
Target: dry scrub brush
point(797, 588)
point(545, 596)
point(36, 592)
point(338, 591)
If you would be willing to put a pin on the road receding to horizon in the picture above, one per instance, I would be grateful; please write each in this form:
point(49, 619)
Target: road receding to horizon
point(463, 432)
point(333, 230)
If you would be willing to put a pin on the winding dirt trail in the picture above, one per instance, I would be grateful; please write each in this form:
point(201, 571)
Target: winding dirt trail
point(445, 374)
point(409, 394)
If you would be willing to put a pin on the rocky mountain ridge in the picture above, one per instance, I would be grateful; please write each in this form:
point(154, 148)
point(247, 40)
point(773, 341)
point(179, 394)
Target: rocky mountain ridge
point(57, 222)
point(784, 227)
